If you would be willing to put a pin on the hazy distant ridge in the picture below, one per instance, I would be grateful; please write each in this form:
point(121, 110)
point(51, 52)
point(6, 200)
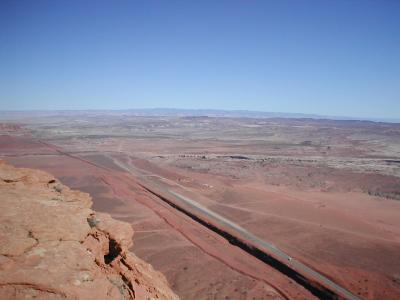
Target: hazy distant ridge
point(9, 115)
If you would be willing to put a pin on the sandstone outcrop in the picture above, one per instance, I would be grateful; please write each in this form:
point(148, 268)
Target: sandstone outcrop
point(53, 246)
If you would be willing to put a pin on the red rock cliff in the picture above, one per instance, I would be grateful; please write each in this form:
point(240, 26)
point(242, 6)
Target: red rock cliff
point(53, 246)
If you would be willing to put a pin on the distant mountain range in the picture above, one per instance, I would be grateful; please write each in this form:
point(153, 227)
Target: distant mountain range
point(4, 115)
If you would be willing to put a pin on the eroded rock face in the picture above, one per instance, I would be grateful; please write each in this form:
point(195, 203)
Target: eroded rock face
point(53, 246)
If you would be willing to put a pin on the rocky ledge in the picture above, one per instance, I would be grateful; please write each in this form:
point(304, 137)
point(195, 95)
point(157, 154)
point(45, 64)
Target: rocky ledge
point(53, 246)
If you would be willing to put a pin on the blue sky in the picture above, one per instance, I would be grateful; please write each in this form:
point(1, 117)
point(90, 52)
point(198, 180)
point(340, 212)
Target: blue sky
point(323, 57)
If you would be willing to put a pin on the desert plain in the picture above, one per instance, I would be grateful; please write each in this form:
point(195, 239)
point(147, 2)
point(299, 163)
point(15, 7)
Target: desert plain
point(326, 192)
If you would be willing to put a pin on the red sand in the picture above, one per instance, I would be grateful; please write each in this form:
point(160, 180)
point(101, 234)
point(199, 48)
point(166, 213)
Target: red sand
point(197, 263)
point(342, 232)
point(351, 237)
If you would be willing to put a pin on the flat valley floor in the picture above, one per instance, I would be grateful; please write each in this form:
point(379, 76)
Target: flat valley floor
point(325, 192)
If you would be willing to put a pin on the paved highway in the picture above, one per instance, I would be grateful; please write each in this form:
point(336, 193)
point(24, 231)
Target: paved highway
point(149, 182)
point(263, 245)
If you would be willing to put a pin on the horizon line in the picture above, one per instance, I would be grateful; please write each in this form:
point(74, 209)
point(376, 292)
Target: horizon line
point(289, 115)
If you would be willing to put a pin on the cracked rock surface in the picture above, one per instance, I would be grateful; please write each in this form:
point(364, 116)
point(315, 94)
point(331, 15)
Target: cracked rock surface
point(53, 246)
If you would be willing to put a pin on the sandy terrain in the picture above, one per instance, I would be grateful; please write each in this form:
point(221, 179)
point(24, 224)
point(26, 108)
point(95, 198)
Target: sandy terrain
point(326, 192)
